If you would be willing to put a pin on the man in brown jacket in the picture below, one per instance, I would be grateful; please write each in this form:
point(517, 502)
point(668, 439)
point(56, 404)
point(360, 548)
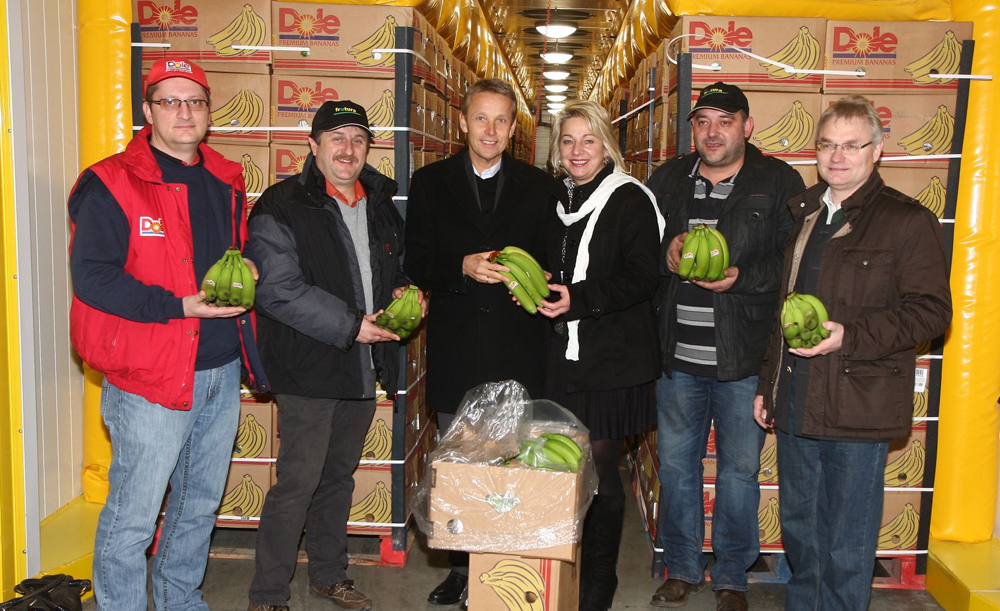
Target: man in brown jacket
point(874, 257)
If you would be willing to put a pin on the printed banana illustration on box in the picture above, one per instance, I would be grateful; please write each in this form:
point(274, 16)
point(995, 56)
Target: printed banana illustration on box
point(942, 59)
point(517, 584)
point(769, 521)
point(376, 507)
point(901, 531)
point(248, 28)
point(920, 404)
point(768, 465)
point(378, 442)
point(933, 198)
point(253, 178)
point(933, 138)
point(386, 168)
point(245, 109)
point(382, 38)
point(803, 52)
point(790, 134)
point(245, 500)
point(251, 438)
point(907, 469)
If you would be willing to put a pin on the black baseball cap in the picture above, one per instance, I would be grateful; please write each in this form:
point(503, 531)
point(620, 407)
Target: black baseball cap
point(335, 114)
point(720, 96)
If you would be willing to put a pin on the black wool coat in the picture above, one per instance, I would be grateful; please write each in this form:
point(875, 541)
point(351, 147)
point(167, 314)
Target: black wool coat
point(475, 333)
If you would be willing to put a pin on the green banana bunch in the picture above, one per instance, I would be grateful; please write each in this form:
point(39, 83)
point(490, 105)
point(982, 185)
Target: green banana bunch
point(403, 314)
point(802, 318)
point(704, 255)
point(525, 280)
point(551, 452)
point(229, 282)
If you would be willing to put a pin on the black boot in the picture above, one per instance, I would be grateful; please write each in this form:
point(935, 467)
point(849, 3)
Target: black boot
point(602, 535)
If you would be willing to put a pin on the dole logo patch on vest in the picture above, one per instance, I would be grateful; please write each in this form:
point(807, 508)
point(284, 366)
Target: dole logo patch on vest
point(148, 226)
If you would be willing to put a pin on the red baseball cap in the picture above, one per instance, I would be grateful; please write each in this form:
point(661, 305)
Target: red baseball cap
point(175, 67)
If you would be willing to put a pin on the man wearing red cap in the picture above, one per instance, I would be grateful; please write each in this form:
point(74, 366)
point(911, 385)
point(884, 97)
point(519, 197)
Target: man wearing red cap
point(147, 224)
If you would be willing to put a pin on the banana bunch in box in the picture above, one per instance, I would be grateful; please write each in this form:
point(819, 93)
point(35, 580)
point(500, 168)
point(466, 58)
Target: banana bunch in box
point(704, 255)
point(229, 282)
point(403, 314)
point(525, 280)
point(802, 318)
point(551, 452)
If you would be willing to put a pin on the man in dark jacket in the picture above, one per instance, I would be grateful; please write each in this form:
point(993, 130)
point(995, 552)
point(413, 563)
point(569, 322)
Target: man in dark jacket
point(147, 225)
point(712, 337)
point(459, 211)
point(329, 243)
point(874, 257)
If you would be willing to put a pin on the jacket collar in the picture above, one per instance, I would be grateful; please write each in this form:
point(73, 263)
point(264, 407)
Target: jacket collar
point(812, 199)
point(377, 186)
point(138, 155)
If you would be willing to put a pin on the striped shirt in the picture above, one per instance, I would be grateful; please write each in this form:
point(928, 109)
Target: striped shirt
point(694, 353)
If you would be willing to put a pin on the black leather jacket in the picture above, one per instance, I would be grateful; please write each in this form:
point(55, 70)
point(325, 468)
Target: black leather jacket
point(756, 223)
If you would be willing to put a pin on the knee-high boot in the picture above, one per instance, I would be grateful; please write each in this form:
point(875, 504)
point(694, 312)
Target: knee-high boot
point(602, 535)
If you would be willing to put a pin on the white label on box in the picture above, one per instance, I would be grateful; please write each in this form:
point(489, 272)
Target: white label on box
point(920, 379)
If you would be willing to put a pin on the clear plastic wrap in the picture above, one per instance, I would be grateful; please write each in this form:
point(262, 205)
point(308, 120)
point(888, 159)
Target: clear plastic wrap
point(477, 495)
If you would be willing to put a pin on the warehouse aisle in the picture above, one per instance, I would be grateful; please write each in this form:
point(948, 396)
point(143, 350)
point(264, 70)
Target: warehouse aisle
point(394, 589)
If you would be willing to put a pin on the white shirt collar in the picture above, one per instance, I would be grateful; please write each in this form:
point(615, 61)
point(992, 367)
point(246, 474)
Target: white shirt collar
point(831, 208)
point(489, 172)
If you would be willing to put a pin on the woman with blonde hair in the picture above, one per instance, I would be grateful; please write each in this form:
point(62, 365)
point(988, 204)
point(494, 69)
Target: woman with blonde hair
point(602, 349)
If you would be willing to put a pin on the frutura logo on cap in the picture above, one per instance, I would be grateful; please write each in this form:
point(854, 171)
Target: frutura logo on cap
point(345, 109)
point(178, 66)
point(708, 92)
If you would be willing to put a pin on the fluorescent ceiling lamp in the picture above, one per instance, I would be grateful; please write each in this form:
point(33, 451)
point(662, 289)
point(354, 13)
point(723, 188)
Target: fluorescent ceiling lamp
point(556, 88)
point(555, 30)
point(556, 107)
point(556, 75)
point(557, 57)
point(555, 98)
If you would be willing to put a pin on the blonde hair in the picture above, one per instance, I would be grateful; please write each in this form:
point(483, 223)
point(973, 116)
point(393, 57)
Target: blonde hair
point(600, 125)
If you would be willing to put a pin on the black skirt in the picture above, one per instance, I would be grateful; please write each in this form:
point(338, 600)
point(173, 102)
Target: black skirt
point(609, 414)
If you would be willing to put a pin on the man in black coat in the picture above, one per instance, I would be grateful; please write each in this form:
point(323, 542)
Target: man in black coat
point(328, 242)
point(459, 211)
point(712, 337)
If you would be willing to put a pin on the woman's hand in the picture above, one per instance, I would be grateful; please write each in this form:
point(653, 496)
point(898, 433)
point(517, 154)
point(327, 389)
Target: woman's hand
point(552, 309)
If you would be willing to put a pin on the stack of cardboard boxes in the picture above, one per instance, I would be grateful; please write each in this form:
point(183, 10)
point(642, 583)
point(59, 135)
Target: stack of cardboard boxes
point(899, 63)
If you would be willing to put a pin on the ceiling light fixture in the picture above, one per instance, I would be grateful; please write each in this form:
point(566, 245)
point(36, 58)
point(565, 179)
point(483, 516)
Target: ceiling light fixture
point(556, 88)
point(555, 98)
point(556, 107)
point(555, 30)
point(556, 75)
point(557, 57)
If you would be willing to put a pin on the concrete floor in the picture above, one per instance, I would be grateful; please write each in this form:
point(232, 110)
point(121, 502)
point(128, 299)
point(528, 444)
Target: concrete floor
point(399, 589)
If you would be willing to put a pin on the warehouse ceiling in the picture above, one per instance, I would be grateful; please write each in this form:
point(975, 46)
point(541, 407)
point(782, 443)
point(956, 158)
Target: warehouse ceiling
point(514, 21)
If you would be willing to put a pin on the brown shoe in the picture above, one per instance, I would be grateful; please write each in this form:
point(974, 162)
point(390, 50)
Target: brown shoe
point(674, 593)
point(345, 595)
point(731, 600)
point(254, 607)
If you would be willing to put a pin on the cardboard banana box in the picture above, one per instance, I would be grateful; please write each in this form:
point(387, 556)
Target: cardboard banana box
point(795, 42)
point(243, 498)
point(927, 185)
point(897, 57)
point(371, 503)
point(914, 126)
point(239, 101)
point(254, 436)
point(501, 582)
point(296, 98)
point(344, 39)
point(204, 31)
point(254, 160)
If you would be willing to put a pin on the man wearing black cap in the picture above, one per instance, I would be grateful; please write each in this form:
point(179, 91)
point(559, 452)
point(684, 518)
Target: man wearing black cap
point(328, 243)
point(712, 337)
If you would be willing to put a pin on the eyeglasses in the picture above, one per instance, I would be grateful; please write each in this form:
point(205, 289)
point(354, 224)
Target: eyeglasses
point(196, 105)
point(850, 148)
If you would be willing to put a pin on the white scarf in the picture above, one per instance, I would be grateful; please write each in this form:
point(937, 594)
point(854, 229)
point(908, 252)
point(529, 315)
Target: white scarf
point(595, 204)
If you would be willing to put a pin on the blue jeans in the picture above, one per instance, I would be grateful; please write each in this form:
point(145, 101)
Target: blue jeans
point(151, 447)
point(831, 509)
point(687, 405)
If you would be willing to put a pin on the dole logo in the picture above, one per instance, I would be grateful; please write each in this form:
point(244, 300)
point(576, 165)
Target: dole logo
point(150, 227)
point(709, 501)
point(847, 42)
point(716, 38)
point(305, 98)
point(163, 16)
point(287, 162)
point(307, 25)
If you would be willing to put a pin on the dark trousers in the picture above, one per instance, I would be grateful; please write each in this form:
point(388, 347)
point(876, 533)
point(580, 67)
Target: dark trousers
point(321, 442)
